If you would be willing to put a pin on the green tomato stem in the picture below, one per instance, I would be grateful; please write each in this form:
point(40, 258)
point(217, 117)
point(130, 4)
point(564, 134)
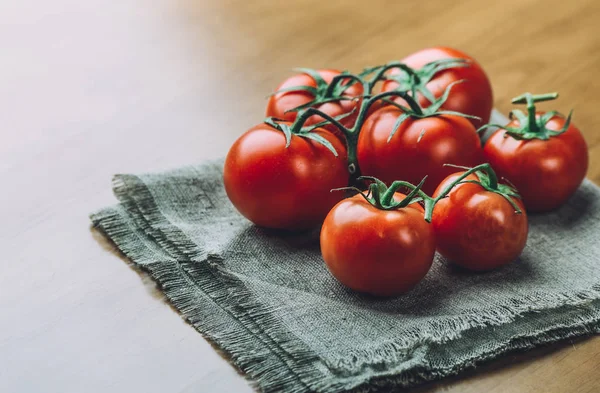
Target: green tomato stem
point(351, 148)
point(301, 119)
point(338, 79)
point(412, 102)
point(382, 197)
point(351, 137)
point(388, 196)
point(411, 72)
point(369, 101)
point(522, 99)
point(530, 100)
point(490, 184)
point(530, 126)
point(481, 167)
point(376, 74)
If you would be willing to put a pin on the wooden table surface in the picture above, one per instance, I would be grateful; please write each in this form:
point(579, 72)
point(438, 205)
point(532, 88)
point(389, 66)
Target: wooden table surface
point(92, 88)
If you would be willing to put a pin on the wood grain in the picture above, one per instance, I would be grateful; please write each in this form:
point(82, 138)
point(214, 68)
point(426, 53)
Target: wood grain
point(89, 89)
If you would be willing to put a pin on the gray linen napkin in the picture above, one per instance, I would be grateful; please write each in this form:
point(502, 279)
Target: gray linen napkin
point(268, 301)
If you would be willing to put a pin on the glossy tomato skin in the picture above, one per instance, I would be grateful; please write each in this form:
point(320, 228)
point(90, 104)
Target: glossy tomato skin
point(478, 229)
point(382, 253)
point(281, 102)
point(473, 97)
point(411, 153)
point(546, 172)
point(284, 188)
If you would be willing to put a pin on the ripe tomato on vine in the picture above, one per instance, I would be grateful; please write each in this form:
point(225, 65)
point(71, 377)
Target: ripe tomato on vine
point(542, 153)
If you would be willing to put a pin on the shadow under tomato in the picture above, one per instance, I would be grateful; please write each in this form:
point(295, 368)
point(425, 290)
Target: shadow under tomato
point(285, 259)
point(438, 292)
point(293, 261)
point(519, 270)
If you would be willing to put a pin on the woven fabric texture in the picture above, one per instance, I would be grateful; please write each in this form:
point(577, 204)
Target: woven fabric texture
point(268, 301)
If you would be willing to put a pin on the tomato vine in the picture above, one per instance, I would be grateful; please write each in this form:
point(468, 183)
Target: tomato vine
point(412, 82)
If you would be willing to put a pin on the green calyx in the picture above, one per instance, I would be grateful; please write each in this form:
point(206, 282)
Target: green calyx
point(530, 125)
point(304, 132)
point(487, 180)
point(324, 92)
point(368, 79)
point(416, 81)
point(381, 196)
point(416, 111)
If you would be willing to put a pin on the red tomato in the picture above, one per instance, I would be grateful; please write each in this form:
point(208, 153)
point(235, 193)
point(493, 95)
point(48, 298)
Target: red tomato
point(546, 172)
point(284, 188)
point(472, 97)
point(476, 228)
point(281, 102)
point(419, 147)
point(380, 252)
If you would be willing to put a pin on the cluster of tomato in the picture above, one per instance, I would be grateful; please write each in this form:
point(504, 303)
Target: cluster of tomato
point(327, 128)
